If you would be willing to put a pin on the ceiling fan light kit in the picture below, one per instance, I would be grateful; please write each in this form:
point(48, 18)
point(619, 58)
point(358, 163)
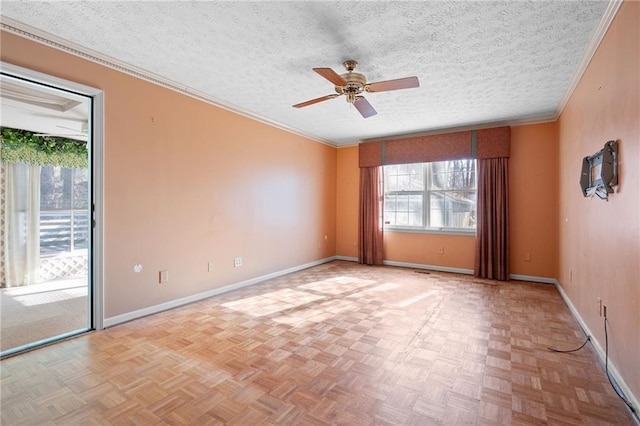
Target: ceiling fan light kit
point(353, 84)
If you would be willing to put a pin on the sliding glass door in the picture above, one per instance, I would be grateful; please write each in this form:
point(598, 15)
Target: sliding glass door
point(46, 191)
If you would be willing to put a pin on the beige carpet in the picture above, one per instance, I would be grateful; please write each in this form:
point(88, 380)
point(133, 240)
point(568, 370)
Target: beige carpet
point(41, 311)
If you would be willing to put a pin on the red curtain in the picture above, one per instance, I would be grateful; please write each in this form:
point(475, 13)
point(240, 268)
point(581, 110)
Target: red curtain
point(492, 239)
point(370, 216)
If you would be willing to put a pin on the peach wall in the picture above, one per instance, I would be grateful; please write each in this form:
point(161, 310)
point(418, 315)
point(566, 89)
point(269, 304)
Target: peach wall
point(599, 250)
point(186, 183)
point(533, 200)
point(533, 197)
point(348, 182)
point(448, 251)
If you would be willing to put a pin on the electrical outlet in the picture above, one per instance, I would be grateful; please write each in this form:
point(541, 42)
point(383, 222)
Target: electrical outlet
point(441, 250)
point(210, 267)
point(527, 257)
point(164, 277)
point(237, 262)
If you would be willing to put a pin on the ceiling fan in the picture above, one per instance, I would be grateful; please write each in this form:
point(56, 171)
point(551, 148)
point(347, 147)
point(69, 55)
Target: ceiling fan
point(353, 84)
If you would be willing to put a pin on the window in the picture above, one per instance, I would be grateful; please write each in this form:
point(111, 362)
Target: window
point(64, 210)
point(431, 196)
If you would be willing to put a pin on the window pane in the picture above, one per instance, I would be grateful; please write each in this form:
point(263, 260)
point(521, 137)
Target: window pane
point(403, 209)
point(55, 188)
point(453, 209)
point(390, 182)
point(390, 178)
point(64, 206)
point(436, 200)
point(463, 210)
point(451, 192)
point(55, 231)
point(436, 210)
point(415, 210)
point(415, 219)
point(389, 218)
point(415, 168)
point(81, 189)
point(463, 174)
point(402, 218)
point(403, 203)
point(458, 174)
point(389, 210)
point(390, 203)
point(81, 229)
point(404, 177)
point(404, 182)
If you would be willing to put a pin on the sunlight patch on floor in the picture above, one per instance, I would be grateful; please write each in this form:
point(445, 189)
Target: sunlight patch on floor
point(317, 315)
point(47, 292)
point(383, 287)
point(337, 285)
point(271, 303)
point(51, 296)
point(417, 298)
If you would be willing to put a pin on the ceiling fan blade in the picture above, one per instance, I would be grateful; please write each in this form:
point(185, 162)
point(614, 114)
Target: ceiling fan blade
point(316, 100)
point(331, 75)
point(364, 107)
point(400, 83)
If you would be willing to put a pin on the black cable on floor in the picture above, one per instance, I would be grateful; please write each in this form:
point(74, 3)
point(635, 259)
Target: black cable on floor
point(571, 350)
point(606, 367)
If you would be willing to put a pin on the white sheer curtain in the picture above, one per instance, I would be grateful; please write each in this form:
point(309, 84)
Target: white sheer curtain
point(21, 224)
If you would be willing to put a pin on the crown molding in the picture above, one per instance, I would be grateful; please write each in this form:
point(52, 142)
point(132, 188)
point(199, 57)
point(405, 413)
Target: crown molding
point(601, 30)
point(58, 43)
point(523, 121)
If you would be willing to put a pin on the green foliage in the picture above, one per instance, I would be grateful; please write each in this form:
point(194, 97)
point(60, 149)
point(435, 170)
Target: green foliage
point(21, 146)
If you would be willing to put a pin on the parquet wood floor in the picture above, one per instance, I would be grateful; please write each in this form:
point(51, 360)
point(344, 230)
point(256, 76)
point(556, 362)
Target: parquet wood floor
point(339, 343)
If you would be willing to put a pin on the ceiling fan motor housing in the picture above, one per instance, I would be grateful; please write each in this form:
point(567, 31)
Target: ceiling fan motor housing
point(356, 83)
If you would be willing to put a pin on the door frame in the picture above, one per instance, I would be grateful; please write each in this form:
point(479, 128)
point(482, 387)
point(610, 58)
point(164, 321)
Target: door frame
point(96, 150)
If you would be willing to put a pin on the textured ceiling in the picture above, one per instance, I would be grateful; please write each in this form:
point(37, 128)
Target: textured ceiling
point(477, 62)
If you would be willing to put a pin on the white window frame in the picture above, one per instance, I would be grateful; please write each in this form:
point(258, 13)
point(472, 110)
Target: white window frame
point(426, 199)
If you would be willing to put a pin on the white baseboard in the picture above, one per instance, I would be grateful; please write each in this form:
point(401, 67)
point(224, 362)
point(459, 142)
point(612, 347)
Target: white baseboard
point(613, 371)
point(532, 278)
point(347, 258)
point(518, 277)
point(129, 316)
point(429, 267)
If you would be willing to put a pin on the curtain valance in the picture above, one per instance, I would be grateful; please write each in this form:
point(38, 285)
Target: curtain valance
point(480, 144)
